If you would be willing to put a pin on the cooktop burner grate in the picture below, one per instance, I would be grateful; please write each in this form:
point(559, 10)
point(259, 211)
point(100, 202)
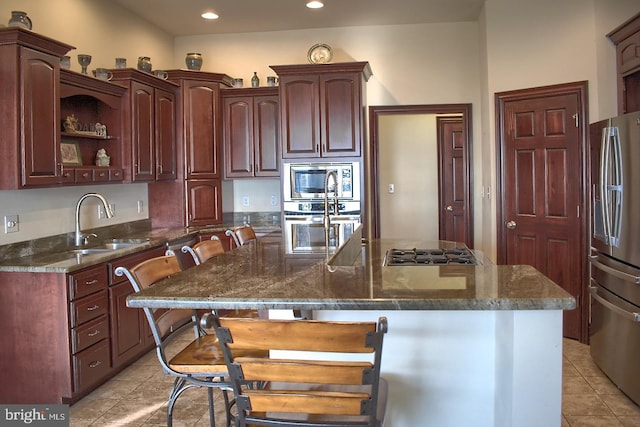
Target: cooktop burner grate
point(416, 256)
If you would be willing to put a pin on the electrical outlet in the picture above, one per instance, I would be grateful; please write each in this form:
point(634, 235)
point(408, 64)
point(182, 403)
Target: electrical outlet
point(245, 200)
point(112, 207)
point(140, 206)
point(101, 213)
point(11, 223)
point(392, 188)
point(274, 200)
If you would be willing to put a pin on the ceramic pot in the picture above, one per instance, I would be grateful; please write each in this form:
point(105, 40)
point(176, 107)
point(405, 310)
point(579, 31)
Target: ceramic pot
point(194, 61)
point(20, 19)
point(144, 64)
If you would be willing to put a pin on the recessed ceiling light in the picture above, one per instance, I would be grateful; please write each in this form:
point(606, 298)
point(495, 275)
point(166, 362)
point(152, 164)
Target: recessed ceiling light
point(210, 15)
point(315, 4)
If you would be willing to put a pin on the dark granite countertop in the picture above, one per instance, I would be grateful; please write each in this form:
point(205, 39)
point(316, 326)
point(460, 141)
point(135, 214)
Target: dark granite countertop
point(55, 254)
point(262, 275)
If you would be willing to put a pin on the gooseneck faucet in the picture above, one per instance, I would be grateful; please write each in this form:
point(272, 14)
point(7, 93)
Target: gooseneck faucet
point(327, 217)
point(81, 239)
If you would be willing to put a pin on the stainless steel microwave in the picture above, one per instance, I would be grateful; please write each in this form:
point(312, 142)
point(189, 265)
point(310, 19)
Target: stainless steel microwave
point(305, 181)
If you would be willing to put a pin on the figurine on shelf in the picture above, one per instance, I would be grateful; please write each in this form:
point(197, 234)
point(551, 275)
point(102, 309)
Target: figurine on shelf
point(71, 124)
point(101, 130)
point(102, 159)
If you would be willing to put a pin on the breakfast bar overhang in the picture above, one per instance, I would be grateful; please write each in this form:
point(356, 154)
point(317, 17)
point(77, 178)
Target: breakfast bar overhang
point(467, 345)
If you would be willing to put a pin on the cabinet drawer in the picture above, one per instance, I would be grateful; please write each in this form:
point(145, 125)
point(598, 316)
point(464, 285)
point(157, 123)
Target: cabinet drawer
point(87, 282)
point(101, 175)
point(89, 333)
point(89, 308)
point(115, 175)
point(84, 175)
point(91, 365)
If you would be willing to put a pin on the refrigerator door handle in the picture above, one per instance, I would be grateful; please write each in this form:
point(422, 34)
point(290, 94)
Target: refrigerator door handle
point(611, 184)
point(617, 273)
point(593, 290)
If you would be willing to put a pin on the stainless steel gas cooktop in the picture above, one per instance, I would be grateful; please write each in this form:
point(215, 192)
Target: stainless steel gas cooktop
point(415, 256)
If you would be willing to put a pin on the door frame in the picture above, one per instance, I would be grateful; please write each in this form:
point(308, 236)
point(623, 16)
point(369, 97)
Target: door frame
point(372, 215)
point(580, 89)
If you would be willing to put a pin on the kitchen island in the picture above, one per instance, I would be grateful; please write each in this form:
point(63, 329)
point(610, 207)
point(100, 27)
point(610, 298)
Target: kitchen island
point(473, 345)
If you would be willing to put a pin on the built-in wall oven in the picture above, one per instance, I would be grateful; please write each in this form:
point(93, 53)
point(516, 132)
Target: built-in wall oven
point(304, 204)
point(308, 234)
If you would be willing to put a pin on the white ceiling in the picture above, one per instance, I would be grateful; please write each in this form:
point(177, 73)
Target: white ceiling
point(182, 17)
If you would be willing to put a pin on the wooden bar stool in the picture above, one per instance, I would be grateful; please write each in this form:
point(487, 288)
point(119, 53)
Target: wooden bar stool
point(345, 391)
point(204, 250)
point(242, 235)
point(199, 364)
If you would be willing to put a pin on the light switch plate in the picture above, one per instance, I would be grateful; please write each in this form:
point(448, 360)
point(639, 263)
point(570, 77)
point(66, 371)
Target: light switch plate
point(11, 223)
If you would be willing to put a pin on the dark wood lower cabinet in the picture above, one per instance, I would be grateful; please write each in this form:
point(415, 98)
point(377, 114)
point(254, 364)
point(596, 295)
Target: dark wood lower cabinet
point(130, 333)
point(65, 334)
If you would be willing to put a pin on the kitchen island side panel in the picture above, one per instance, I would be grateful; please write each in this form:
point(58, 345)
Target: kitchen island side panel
point(482, 368)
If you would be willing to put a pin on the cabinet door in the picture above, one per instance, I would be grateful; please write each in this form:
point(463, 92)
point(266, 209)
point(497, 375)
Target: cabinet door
point(204, 201)
point(127, 332)
point(41, 163)
point(165, 135)
point(201, 129)
point(238, 137)
point(341, 115)
point(142, 122)
point(300, 116)
point(266, 136)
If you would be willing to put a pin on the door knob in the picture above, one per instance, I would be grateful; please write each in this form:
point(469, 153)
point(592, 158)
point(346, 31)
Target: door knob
point(449, 208)
point(511, 225)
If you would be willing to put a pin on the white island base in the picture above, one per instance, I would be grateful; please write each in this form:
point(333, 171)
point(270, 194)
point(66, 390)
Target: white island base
point(468, 368)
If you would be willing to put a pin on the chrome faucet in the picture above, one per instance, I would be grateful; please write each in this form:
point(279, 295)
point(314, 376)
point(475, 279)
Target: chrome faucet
point(81, 239)
point(327, 217)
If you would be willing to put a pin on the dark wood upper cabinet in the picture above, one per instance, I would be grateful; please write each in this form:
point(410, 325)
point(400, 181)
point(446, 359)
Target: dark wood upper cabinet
point(627, 40)
point(149, 126)
point(321, 109)
point(251, 132)
point(30, 112)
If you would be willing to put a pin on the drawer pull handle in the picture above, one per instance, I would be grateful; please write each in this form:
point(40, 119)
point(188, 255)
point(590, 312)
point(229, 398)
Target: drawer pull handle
point(95, 364)
point(94, 333)
point(91, 282)
point(95, 307)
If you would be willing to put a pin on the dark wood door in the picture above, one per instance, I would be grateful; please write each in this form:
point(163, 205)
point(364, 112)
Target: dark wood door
point(453, 181)
point(542, 144)
point(127, 333)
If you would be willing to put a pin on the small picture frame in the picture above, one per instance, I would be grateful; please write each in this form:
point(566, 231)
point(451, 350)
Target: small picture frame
point(70, 151)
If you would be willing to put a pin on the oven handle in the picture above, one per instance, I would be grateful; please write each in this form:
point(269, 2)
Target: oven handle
point(617, 273)
point(593, 290)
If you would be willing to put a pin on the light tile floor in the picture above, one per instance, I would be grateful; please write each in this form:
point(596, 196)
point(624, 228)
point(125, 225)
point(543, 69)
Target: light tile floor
point(137, 397)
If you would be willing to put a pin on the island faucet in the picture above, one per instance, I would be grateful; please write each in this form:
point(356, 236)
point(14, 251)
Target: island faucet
point(327, 217)
point(81, 239)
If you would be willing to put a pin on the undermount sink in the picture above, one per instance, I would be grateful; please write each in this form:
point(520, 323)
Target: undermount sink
point(110, 246)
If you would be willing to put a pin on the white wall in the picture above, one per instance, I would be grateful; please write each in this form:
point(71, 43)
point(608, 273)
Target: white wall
point(408, 143)
point(105, 31)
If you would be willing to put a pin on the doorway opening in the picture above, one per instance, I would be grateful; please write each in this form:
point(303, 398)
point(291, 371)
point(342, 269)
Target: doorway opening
point(451, 166)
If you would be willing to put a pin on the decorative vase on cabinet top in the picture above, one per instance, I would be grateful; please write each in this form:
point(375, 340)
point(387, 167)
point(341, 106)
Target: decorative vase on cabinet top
point(144, 63)
point(194, 61)
point(20, 19)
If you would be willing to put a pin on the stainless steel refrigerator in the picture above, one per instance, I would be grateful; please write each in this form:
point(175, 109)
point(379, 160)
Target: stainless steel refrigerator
point(615, 250)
